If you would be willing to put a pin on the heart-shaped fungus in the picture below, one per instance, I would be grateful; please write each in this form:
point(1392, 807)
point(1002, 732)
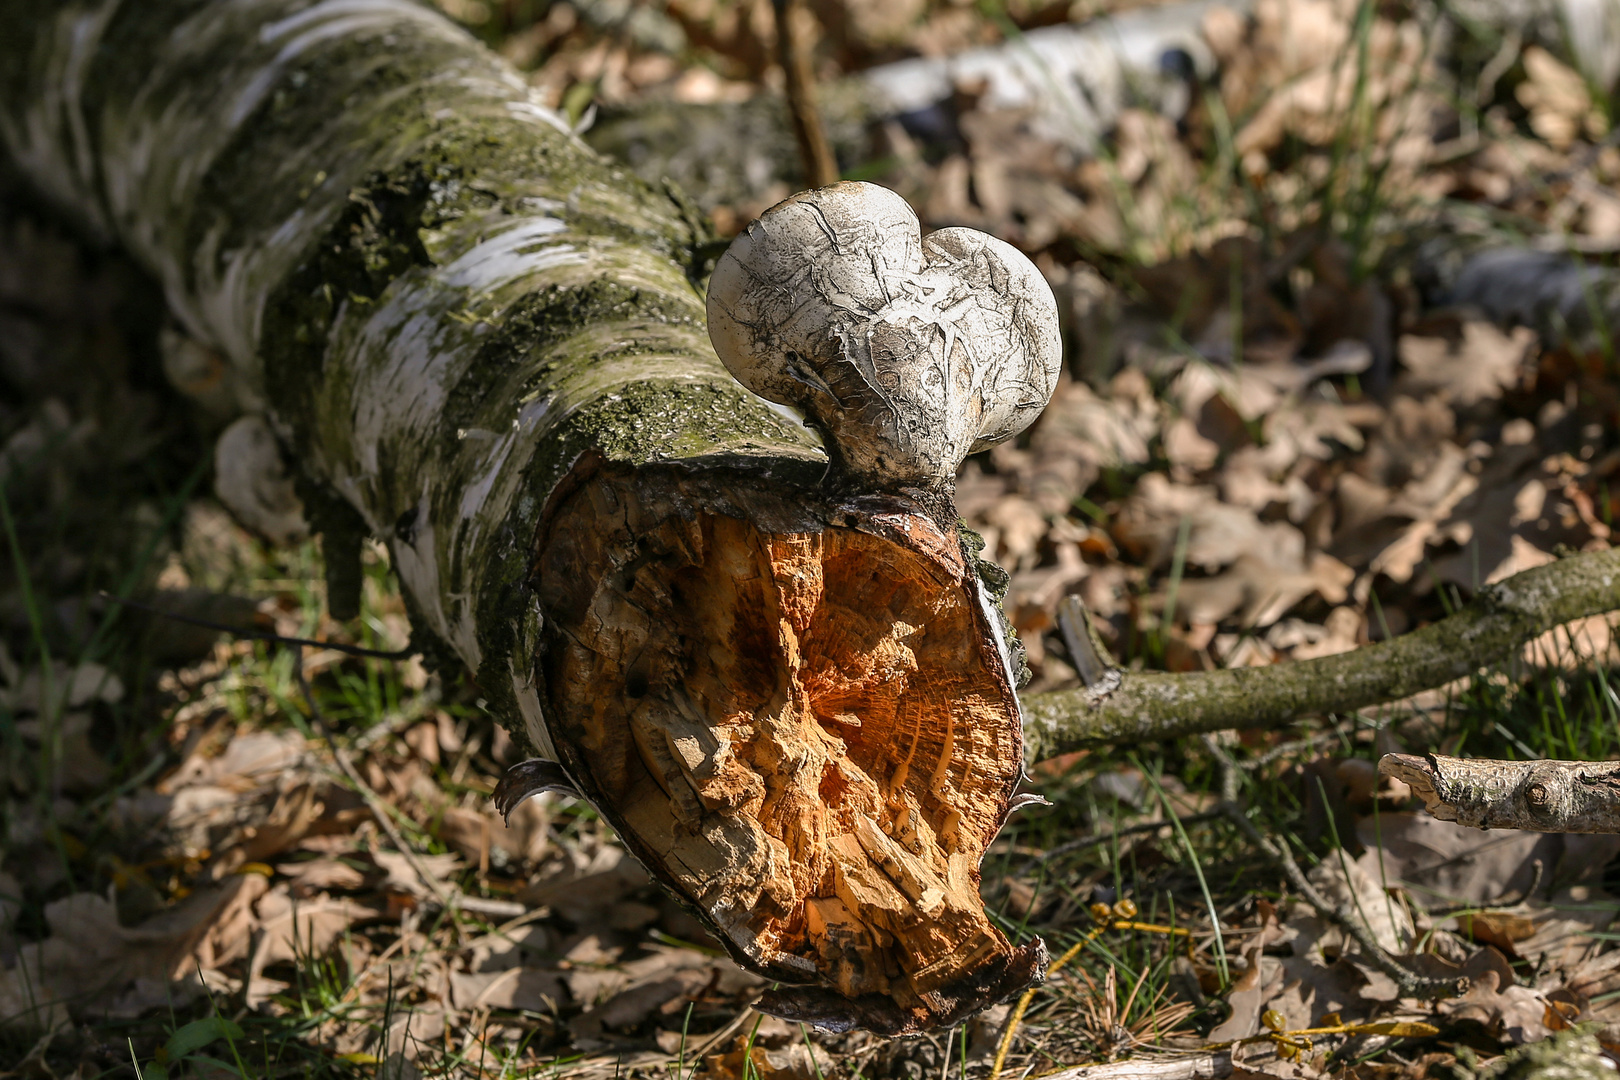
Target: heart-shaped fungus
point(800, 717)
point(907, 351)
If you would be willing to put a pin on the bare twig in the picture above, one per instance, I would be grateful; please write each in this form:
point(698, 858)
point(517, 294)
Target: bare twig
point(820, 167)
point(1096, 839)
point(1091, 661)
point(373, 802)
point(1410, 982)
point(252, 634)
point(1537, 796)
point(1489, 630)
point(1194, 1067)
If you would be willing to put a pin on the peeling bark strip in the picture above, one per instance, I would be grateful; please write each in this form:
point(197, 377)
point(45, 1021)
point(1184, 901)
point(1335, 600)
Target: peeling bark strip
point(480, 343)
point(1489, 630)
point(1537, 796)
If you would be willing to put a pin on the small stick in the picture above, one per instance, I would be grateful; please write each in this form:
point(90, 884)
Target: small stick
point(820, 167)
point(1490, 629)
point(1536, 796)
point(373, 802)
point(1091, 661)
point(1095, 839)
point(1410, 982)
point(252, 634)
point(1195, 1067)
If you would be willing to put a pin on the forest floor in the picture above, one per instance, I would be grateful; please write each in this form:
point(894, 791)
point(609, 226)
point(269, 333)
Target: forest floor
point(1272, 444)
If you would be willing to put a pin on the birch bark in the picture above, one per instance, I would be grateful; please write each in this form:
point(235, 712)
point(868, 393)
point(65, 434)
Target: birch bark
point(484, 345)
point(440, 298)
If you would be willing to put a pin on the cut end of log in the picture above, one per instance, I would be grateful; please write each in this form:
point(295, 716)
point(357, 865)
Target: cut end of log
point(800, 717)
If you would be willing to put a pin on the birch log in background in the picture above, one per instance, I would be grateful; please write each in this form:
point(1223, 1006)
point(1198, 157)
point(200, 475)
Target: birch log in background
point(482, 344)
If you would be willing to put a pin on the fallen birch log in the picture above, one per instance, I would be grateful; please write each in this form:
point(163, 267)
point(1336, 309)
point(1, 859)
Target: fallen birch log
point(778, 674)
point(484, 345)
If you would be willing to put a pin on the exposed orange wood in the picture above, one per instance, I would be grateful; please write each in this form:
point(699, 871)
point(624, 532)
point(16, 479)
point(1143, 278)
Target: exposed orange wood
point(807, 733)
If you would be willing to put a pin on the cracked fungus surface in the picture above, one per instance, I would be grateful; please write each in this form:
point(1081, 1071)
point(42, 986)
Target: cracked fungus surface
point(798, 728)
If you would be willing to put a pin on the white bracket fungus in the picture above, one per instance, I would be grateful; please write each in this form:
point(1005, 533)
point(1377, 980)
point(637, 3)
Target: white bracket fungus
point(908, 352)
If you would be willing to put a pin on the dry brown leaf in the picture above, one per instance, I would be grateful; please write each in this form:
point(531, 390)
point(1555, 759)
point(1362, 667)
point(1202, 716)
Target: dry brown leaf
point(1442, 863)
point(1514, 1013)
point(305, 879)
point(244, 762)
point(1248, 989)
point(90, 961)
point(1340, 632)
point(292, 929)
point(288, 821)
point(584, 890)
point(1150, 522)
point(793, 1062)
point(477, 835)
point(404, 873)
point(501, 950)
point(1258, 590)
point(528, 989)
point(1081, 432)
point(1560, 104)
point(1478, 367)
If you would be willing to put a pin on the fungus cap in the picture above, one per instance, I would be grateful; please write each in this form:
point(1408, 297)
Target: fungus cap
point(908, 352)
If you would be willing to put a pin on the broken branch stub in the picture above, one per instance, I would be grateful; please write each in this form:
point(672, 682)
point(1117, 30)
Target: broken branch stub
point(908, 352)
point(1537, 796)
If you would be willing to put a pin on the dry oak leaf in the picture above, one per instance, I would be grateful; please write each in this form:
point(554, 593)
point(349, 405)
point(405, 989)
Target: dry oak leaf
point(90, 962)
point(477, 834)
point(305, 879)
point(1441, 863)
point(527, 989)
point(293, 929)
point(1082, 432)
point(1559, 101)
point(1479, 367)
point(1150, 522)
point(243, 764)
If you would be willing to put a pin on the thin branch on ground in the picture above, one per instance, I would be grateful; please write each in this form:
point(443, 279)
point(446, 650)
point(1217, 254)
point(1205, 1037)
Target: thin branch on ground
point(1095, 839)
point(1150, 706)
point(373, 801)
point(1190, 1067)
point(1411, 984)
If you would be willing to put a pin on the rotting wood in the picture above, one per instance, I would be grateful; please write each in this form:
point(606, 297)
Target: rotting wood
point(797, 714)
point(1537, 796)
